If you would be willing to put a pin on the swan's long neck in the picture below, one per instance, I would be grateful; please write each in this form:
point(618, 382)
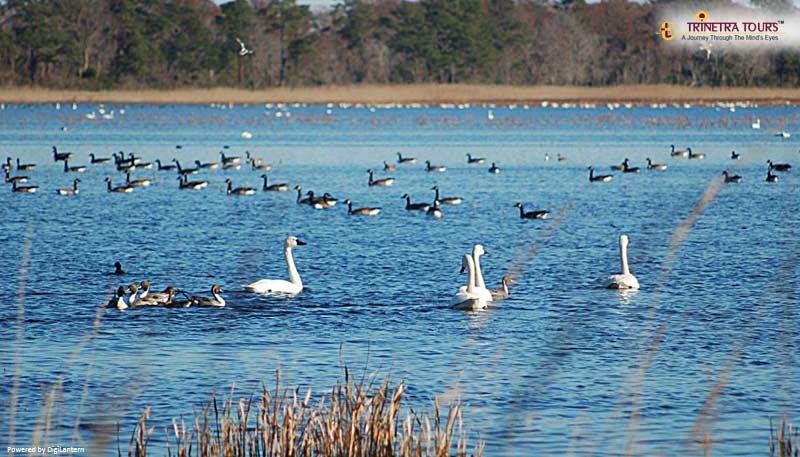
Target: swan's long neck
point(294, 276)
point(623, 258)
point(478, 275)
point(471, 280)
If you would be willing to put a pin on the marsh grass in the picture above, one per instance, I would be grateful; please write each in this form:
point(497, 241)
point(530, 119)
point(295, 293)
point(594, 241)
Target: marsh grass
point(356, 418)
point(410, 93)
point(785, 441)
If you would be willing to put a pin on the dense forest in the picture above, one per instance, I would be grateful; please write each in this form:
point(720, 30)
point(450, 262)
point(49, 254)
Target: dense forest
point(105, 44)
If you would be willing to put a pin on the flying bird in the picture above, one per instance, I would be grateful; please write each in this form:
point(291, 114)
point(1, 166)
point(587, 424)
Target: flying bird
point(243, 51)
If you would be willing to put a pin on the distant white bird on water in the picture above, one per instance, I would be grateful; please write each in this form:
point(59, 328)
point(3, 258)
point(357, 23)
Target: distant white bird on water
point(243, 51)
point(623, 280)
point(280, 286)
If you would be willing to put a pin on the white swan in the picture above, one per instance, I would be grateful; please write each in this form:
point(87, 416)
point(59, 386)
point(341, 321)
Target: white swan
point(467, 297)
point(278, 286)
point(624, 280)
point(480, 285)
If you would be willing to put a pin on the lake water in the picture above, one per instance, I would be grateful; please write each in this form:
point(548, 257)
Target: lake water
point(554, 369)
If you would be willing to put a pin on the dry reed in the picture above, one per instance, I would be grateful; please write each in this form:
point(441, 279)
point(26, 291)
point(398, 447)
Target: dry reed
point(785, 442)
point(354, 419)
point(411, 93)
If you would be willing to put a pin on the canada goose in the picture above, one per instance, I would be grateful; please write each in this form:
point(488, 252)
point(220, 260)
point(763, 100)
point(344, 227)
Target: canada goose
point(326, 201)
point(435, 211)
point(783, 134)
point(192, 185)
point(23, 189)
point(165, 167)
point(118, 189)
point(476, 160)
point(207, 166)
point(385, 182)
point(136, 182)
point(434, 168)
point(779, 166)
point(25, 166)
point(531, 214)
point(239, 190)
point(619, 167)
point(389, 167)
point(143, 165)
point(735, 155)
point(494, 169)
point(75, 169)
point(731, 178)
point(255, 166)
point(184, 171)
point(60, 155)
point(599, 178)
point(7, 167)
point(366, 211)
point(231, 166)
point(73, 191)
point(415, 206)
point(131, 158)
point(300, 199)
point(655, 166)
point(561, 158)
point(401, 159)
point(229, 159)
point(98, 160)
point(125, 167)
point(629, 169)
point(770, 176)
point(695, 156)
point(674, 153)
point(16, 179)
point(546, 157)
point(282, 187)
point(446, 200)
point(503, 290)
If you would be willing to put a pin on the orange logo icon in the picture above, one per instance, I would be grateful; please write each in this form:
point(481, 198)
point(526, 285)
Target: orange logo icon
point(701, 16)
point(666, 31)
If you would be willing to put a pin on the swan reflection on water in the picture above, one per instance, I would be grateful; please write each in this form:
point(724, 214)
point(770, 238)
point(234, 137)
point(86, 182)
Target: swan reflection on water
point(626, 295)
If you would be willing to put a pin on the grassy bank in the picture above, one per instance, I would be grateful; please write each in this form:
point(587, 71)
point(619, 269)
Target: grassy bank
point(418, 93)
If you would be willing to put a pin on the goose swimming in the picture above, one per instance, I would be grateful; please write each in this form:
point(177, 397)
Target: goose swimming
point(60, 155)
point(119, 189)
point(446, 200)
point(73, 191)
point(730, 178)
point(165, 167)
point(98, 160)
point(239, 190)
point(406, 160)
point(19, 179)
point(136, 182)
point(674, 153)
point(207, 165)
point(541, 214)
point(281, 187)
point(415, 206)
point(25, 166)
point(280, 286)
point(655, 166)
point(599, 178)
point(779, 166)
point(23, 189)
point(494, 169)
point(434, 168)
point(695, 156)
point(770, 176)
point(475, 160)
point(184, 183)
point(366, 211)
point(75, 169)
point(385, 182)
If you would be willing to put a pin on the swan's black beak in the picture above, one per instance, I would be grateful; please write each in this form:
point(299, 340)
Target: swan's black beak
point(301, 243)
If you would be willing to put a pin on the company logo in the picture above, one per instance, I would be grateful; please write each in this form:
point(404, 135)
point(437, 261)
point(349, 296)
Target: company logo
point(701, 16)
point(666, 31)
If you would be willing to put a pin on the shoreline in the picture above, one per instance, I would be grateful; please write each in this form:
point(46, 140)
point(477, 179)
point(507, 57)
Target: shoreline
point(415, 93)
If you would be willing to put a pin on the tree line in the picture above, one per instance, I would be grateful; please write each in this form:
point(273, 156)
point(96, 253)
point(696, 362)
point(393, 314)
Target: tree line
point(131, 44)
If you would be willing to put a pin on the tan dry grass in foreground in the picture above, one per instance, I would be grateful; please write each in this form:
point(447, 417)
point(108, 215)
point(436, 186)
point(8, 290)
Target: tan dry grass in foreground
point(353, 420)
point(786, 442)
point(413, 93)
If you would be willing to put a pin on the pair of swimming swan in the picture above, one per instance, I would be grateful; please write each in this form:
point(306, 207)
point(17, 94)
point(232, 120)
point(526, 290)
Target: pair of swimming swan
point(474, 296)
point(279, 286)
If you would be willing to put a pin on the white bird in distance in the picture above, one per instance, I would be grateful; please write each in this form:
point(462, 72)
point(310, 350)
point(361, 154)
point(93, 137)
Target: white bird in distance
point(243, 51)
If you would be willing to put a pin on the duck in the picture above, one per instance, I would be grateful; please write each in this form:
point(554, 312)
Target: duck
point(494, 169)
point(118, 269)
point(118, 300)
point(735, 155)
point(279, 286)
point(770, 176)
point(229, 159)
point(366, 211)
point(239, 190)
point(629, 169)
point(731, 178)
point(165, 167)
point(695, 156)
point(503, 290)
point(623, 280)
point(476, 160)
point(60, 155)
point(75, 169)
point(467, 297)
point(184, 171)
point(434, 168)
point(136, 182)
point(133, 288)
point(216, 300)
point(172, 303)
point(300, 199)
point(389, 166)
point(434, 211)
point(385, 182)
point(674, 153)
point(119, 189)
point(207, 165)
point(16, 179)
point(157, 297)
point(73, 191)
point(25, 166)
point(405, 160)
point(541, 214)
point(415, 206)
point(561, 158)
point(655, 166)
point(779, 166)
point(192, 185)
point(98, 160)
point(599, 178)
point(446, 200)
point(23, 189)
point(281, 187)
